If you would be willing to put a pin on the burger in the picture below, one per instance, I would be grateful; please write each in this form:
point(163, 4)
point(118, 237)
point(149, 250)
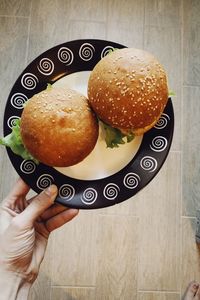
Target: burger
point(57, 128)
point(128, 91)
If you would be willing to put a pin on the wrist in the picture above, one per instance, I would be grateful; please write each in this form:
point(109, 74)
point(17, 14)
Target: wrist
point(13, 286)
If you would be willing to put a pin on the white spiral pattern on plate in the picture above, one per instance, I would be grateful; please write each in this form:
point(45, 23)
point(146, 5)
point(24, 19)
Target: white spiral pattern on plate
point(86, 51)
point(149, 163)
point(28, 166)
point(65, 55)
point(158, 144)
point(44, 181)
point(29, 81)
point(89, 196)
point(111, 191)
point(66, 192)
point(131, 180)
point(162, 122)
point(106, 51)
point(18, 99)
point(11, 121)
point(46, 66)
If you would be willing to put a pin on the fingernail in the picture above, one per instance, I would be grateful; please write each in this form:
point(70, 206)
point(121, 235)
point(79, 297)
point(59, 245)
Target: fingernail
point(51, 190)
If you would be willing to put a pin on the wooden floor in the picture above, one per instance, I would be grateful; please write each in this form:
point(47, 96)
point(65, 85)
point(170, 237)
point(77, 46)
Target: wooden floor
point(143, 249)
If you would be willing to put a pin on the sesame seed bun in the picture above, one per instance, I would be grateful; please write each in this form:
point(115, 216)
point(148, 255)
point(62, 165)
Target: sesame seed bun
point(128, 90)
point(58, 127)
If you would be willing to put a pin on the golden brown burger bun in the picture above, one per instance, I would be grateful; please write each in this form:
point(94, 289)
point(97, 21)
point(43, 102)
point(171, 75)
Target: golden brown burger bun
point(128, 90)
point(58, 127)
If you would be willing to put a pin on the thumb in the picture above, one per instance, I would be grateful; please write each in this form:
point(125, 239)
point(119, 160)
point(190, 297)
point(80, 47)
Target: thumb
point(41, 202)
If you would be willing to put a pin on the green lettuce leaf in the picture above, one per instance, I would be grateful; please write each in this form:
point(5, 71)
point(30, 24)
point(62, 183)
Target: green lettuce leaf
point(15, 143)
point(171, 93)
point(49, 86)
point(112, 50)
point(114, 137)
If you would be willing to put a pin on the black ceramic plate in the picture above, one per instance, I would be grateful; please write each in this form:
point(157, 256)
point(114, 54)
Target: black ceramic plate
point(60, 61)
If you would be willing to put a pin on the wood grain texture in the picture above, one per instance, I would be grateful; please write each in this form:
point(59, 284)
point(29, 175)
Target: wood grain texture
point(89, 29)
point(133, 250)
point(190, 262)
point(89, 10)
point(159, 230)
point(13, 38)
point(126, 208)
point(49, 25)
point(191, 42)
point(75, 248)
point(77, 293)
point(191, 148)
point(15, 7)
point(163, 13)
point(125, 22)
point(117, 258)
point(158, 296)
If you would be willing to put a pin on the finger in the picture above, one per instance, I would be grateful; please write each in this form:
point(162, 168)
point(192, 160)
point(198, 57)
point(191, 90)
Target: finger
point(60, 219)
point(198, 293)
point(19, 190)
point(191, 290)
point(37, 207)
point(53, 211)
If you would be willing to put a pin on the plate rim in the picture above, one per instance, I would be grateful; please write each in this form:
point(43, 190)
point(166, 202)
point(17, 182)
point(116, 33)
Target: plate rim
point(95, 181)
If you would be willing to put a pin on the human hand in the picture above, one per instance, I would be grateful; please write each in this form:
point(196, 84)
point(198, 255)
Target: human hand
point(25, 226)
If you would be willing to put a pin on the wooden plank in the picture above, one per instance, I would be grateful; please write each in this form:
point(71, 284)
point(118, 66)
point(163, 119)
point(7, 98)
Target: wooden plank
point(163, 13)
point(191, 146)
point(89, 29)
point(158, 296)
point(159, 230)
point(191, 42)
point(89, 10)
point(13, 38)
point(126, 208)
point(125, 22)
point(67, 293)
point(15, 7)
point(49, 25)
point(117, 258)
point(74, 252)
